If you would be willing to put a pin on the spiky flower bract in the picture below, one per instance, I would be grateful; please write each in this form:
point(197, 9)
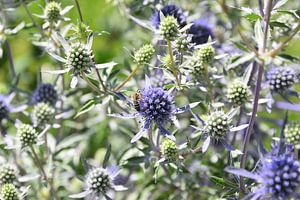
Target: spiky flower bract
point(80, 58)
point(237, 93)
point(169, 149)
point(280, 175)
point(27, 135)
point(169, 10)
point(45, 92)
point(281, 79)
point(169, 28)
point(9, 192)
point(200, 31)
point(217, 125)
point(292, 133)
point(7, 174)
point(52, 11)
point(42, 113)
point(206, 54)
point(144, 54)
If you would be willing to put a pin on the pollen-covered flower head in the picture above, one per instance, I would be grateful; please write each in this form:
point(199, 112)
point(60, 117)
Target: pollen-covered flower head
point(169, 28)
point(156, 104)
point(200, 31)
point(144, 54)
point(280, 79)
point(7, 174)
point(169, 10)
point(280, 175)
point(52, 11)
point(46, 93)
point(9, 192)
point(80, 58)
point(292, 133)
point(217, 125)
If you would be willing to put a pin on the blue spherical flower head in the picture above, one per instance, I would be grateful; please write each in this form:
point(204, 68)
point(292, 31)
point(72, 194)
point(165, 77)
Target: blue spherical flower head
point(156, 105)
point(280, 175)
point(200, 31)
point(46, 93)
point(168, 10)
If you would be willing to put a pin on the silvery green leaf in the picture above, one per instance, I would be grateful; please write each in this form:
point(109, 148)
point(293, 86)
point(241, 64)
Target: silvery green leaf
point(238, 128)
point(258, 33)
point(279, 4)
point(66, 9)
point(240, 61)
point(90, 41)
point(57, 57)
point(74, 82)
point(81, 195)
point(205, 145)
point(89, 105)
point(28, 177)
point(106, 157)
point(106, 65)
point(119, 188)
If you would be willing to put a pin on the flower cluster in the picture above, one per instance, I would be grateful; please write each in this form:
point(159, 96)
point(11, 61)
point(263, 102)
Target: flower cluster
point(7, 174)
point(206, 54)
point(9, 192)
point(42, 113)
point(217, 125)
point(168, 28)
point(52, 11)
point(45, 92)
point(292, 133)
point(144, 54)
point(281, 79)
point(237, 93)
point(169, 149)
point(27, 135)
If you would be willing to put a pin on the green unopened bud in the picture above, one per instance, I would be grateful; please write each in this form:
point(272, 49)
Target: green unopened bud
point(80, 58)
point(52, 11)
point(182, 43)
point(217, 125)
point(43, 113)
point(206, 54)
point(237, 93)
point(9, 192)
point(98, 180)
point(169, 28)
point(292, 133)
point(144, 54)
point(198, 69)
point(7, 174)
point(27, 135)
point(169, 150)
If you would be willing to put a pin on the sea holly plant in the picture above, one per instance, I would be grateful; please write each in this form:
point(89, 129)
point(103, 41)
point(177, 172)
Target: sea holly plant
point(193, 112)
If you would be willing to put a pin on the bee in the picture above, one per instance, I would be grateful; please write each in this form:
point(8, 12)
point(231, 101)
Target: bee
point(136, 98)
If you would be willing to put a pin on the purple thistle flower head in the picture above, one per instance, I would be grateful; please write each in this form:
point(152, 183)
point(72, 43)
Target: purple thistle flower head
point(281, 78)
point(280, 175)
point(168, 10)
point(45, 92)
point(156, 105)
point(200, 31)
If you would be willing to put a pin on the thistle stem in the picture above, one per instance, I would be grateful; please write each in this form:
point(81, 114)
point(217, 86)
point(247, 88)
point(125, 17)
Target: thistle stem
point(128, 78)
point(38, 162)
point(79, 10)
point(92, 86)
point(10, 60)
point(100, 80)
point(173, 68)
point(256, 95)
